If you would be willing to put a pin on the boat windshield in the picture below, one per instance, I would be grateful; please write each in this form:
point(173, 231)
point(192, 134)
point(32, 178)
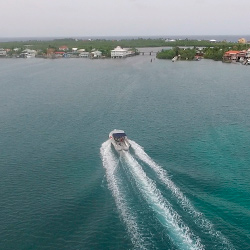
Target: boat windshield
point(119, 135)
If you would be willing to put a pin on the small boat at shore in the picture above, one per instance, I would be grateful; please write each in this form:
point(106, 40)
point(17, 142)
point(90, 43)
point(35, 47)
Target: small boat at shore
point(175, 59)
point(119, 140)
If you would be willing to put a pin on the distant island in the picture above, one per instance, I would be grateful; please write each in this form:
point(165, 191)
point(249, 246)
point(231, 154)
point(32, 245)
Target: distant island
point(180, 49)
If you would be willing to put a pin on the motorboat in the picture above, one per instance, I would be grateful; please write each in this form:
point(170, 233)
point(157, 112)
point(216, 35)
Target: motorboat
point(175, 59)
point(119, 140)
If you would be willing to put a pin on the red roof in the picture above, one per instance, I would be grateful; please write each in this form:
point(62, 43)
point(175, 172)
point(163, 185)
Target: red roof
point(232, 52)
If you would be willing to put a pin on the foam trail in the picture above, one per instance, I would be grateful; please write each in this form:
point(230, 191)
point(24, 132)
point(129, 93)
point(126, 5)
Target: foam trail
point(110, 163)
point(186, 205)
point(179, 233)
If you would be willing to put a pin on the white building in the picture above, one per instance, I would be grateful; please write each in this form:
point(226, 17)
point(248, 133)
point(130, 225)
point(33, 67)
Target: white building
point(28, 53)
point(3, 52)
point(96, 54)
point(118, 52)
point(248, 54)
point(84, 54)
point(80, 50)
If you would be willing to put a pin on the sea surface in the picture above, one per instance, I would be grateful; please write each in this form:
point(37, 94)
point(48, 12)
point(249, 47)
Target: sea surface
point(184, 183)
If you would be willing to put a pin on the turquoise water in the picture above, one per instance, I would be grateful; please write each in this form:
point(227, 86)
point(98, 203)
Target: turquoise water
point(184, 184)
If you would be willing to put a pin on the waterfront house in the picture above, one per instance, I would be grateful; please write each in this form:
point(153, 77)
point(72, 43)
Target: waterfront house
point(28, 53)
point(80, 50)
point(59, 54)
point(231, 56)
point(96, 54)
point(118, 52)
point(84, 54)
point(241, 55)
point(236, 56)
point(248, 54)
point(3, 53)
point(247, 58)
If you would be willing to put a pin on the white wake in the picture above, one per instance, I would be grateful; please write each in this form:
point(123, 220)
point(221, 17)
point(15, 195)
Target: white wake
point(179, 233)
point(205, 225)
point(110, 163)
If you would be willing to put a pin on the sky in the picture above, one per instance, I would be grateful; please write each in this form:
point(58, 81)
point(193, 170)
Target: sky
point(71, 18)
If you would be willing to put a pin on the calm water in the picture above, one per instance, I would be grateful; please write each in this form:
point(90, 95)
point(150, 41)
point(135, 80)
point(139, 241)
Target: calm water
point(184, 184)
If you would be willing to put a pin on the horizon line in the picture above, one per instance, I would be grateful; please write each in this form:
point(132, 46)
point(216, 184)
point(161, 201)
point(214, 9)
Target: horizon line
point(71, 36)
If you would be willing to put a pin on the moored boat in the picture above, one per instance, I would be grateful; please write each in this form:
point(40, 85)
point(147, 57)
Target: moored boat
point(119, 140)
point(174, 59)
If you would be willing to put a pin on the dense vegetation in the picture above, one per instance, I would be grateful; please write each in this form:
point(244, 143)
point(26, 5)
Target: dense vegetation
point(183, 54)
point(215, 52)
point(106, 44)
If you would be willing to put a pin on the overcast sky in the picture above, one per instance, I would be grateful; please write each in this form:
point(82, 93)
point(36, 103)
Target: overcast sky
point(44, 18)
